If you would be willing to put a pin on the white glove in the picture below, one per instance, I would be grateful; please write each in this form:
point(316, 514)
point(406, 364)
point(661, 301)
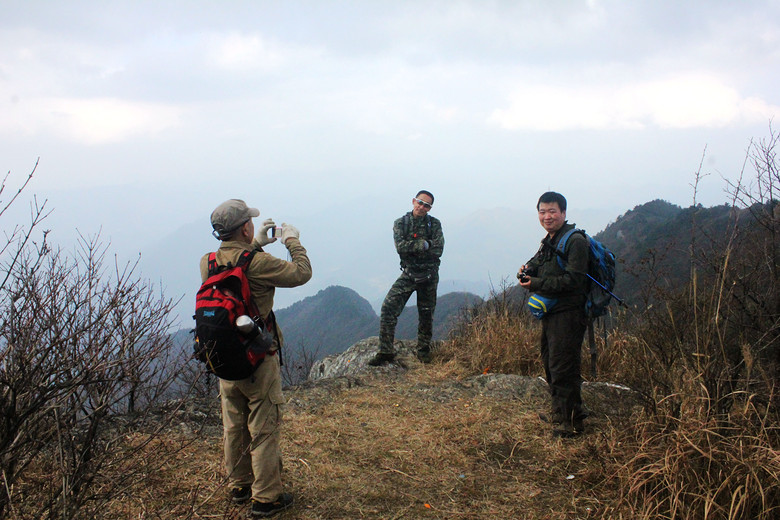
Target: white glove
point(426, 245)
point(262, 234)
point(289, 231)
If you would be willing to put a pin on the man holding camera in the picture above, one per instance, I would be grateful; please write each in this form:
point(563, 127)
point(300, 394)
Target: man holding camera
point(561, 292)
point(419, 241)
point(251, 413)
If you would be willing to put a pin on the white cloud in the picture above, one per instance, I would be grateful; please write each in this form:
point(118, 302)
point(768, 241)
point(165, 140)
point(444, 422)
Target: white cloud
point(686, 101)
point(90, 121)
point(236, 51)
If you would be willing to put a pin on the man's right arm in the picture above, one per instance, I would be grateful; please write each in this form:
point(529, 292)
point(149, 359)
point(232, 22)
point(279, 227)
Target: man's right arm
point(405, 245)
point(269, 270)
point(532, 266)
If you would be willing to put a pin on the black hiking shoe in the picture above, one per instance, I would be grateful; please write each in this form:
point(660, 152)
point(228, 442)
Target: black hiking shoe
point(550, 419)
point(239, 495)
point(567, 430)
point(381, 358)
point(266, 509)
point(565, 433)
point(424, 355)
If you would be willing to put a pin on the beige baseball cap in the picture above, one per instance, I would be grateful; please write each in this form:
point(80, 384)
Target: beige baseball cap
point(229, 216)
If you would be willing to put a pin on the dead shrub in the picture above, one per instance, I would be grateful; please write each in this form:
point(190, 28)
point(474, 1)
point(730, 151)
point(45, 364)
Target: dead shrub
point(698, 465)
point(495, 336)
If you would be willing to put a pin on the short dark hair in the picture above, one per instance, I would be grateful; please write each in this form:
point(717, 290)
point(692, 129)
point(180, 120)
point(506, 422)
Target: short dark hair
point(549, 197)
point(425, 192)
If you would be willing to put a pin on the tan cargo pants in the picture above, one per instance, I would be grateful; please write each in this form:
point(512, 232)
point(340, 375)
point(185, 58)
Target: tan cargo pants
point(251, 417)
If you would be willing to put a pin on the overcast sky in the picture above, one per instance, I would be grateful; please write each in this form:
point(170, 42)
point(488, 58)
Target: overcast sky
point(146, 115)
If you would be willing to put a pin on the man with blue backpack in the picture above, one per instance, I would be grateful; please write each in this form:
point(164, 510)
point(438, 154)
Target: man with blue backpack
point(557, 275)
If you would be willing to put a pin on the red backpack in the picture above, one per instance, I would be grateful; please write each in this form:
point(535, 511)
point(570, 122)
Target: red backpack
point(228, 352)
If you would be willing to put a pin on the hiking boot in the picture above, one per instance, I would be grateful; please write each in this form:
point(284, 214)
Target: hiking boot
point(266, 509)
point(381, 358)
point(565, 433)
point(568, 430)
point(550, 419)
point(239, 495)
point(424, 355)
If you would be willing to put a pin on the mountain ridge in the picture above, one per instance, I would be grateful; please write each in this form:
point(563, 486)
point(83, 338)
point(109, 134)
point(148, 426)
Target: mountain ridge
point(651, 242)
point(337, 317)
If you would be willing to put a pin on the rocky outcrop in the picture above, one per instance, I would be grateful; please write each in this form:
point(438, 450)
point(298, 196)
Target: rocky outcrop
point(339, 372)
point(354, 360)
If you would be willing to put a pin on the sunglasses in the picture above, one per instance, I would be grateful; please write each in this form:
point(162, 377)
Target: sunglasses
point(423, 203)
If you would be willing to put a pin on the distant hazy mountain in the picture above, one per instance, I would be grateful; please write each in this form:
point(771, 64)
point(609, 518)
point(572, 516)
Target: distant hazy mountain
point(652, 243)
point(328, 322)
point(655, 243)
point(448, 309)
point(483, 247)
point(335, 318)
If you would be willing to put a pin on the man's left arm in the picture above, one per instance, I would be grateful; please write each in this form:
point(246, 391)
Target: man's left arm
point(436, 242)
point(404, 244)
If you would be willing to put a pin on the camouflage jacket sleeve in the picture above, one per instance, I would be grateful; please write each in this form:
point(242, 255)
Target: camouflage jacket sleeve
point(415, 242)
point(405, 245)
point(410, 243)
point(437, 239)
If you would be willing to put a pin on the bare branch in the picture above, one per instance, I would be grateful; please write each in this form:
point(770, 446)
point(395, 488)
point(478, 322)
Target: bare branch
point(19, 191)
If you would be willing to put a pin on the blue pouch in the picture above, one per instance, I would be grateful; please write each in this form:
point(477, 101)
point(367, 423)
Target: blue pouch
point(539, 305)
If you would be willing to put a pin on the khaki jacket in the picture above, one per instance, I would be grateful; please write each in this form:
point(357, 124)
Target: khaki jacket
point(266, 272)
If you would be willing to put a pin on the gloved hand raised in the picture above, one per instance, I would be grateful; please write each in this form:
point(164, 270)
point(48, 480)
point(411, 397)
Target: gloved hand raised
point(289, 231)
point(262, 233)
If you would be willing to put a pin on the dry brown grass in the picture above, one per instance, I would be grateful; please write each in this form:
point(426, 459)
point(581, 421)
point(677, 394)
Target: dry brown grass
point(693, 455)
point(495, 337)
point(697, 465)
point(383, 451)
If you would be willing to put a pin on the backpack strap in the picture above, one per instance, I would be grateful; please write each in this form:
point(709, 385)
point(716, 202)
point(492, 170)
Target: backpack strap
point(408, 222)
point(243, 262)
point(212, 265)
point(245, 259)
point(560, 250)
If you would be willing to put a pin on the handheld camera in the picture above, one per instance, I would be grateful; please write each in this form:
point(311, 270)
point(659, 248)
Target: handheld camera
point(523, 275)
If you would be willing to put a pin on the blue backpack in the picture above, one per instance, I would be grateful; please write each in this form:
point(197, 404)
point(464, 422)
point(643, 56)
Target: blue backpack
point(601, 272)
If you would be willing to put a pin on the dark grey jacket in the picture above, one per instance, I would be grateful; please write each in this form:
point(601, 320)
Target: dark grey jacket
point(550, 280)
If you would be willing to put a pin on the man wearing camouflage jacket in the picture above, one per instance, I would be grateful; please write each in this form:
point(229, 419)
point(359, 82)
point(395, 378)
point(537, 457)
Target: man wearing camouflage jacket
point(419, 241)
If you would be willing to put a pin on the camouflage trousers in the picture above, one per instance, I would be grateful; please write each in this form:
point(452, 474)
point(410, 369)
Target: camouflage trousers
point(394, 304)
